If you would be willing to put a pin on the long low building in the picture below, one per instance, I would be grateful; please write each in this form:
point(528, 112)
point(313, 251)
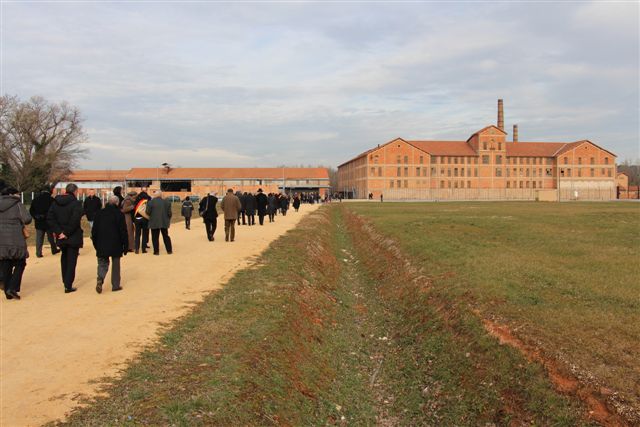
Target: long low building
point(199, 181)
point(485, 166)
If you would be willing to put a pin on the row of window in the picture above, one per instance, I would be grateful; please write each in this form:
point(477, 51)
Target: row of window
point(592, 160)
point(592, 172)
point(524, 184)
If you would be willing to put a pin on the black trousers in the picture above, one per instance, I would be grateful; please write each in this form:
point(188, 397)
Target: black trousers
point(210, 227)
point(271, 216)
point(142, 230)
point(242, 215)
point(187, 221)
point(68, 262)
point(40, 241)
point(12, 270)
point(251, 219)
point(155, 239)
point(261, 218)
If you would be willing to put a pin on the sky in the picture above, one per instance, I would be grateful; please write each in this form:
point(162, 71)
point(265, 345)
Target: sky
point(263, 84)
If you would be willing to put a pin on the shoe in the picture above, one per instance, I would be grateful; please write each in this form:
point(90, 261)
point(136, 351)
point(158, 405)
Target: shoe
point(169, 252)
point(69, 290)
point(8, 295)
point(232, 240)
point(38, 255)
point(137, 251)
point(144, 251)
point(99, 285)
point(156, 253)
point(119, 288)
point(55, 252)
point(226, 239)
point(14, 294)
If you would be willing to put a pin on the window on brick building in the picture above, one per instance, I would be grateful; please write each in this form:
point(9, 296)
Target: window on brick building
point(534, 184)
point(442, 171)
point(534, 161)
point(398, 158)
point(508, 184)
point(566, 160)
point(406, 183)
point(475, 172)
point(373, 171)
point(606, 160)
point(468, 171)
point(498, 172)
point(448, 171)
point(609, 173)
point(399, 171)
point(375, 159)
point(461, 171)
point(579, 171)
point(449, 184)
point(441, 184)
point(485, 160)
point(579, 160)
point(592, 172)
point(539, 184)
point(379, 171)
point(399, 183)
point(406, 159)
point(498, 159)
point(424, 171)
point(528, 160)
point(455, 160)
point(548, 171)
point(468, 184)
point(568, 172)
point(508, 171)
point(417, 171)
point(527, 184)
point(406, 171)
point(499, 145)
point(561, 172)
point(391, 184)
point(534, 171)
point(421, 159)
point(455, 184)
point(549, 161)
point(592, 160)
point(433, 171)
point(455, 171)
point(484, 145)
point(461, 184)
point(521, 184)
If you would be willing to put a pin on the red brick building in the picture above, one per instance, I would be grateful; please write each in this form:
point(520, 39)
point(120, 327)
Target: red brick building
point(485, 166)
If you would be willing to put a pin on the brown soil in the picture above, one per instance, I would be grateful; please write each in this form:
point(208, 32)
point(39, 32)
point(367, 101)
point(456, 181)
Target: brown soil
point(56, 347)
point(562, 380)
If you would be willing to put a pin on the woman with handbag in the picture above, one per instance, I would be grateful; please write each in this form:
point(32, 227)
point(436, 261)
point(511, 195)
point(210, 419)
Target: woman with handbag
point(13, 246)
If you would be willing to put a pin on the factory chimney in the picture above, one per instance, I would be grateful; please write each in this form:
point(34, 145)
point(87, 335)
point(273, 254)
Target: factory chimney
point(515, 133)
point(500, 115)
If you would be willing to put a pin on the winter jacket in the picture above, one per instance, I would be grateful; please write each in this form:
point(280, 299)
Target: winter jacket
point(13, 217)
point(187, 209)
point(64, 216)
point(231, 206)
point(273, 204)
point(159, 211)
point(109, 232)
point(91, 206)
point(296, 202)
point(262, 203)
point(39, 208)
point(208, 208)
point(250, 204)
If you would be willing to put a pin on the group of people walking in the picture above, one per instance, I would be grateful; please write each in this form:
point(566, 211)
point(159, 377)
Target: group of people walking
point(122, 226)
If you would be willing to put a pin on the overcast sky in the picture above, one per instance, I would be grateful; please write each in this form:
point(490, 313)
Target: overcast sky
point(264, 84)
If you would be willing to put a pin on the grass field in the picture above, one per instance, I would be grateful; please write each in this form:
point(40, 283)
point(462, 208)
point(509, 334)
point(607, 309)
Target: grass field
point(376, 319)
point(563, 277)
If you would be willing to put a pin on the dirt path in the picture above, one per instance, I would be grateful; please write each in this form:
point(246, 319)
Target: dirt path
point(54, 344)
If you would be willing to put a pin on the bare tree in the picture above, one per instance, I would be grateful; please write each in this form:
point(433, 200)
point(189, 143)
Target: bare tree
point(40, 142)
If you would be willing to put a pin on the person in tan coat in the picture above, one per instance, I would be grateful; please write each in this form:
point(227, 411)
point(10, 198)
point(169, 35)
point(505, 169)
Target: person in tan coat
point(128, 205)
point(231, 206)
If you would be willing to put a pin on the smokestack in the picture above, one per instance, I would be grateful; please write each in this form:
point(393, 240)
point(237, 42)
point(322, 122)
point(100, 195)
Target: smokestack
point(500, 115)
point(515, 133)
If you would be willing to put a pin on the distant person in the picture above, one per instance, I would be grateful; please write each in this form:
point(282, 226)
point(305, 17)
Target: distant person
point(250, 205)
point(381, 198)
point(92, 204)
point(296, 202)
point(38, 210)
point(186, 210)
point(117, 191)
point(13, 246)
point(128, 209)
point(159, 211)
point(284, 205)
point(272, 206)
point(209, 214)
point(111, 240)
point(243, 200)
point(262, 203)
point(231, 207)
point(141, 221)
point(64, 219)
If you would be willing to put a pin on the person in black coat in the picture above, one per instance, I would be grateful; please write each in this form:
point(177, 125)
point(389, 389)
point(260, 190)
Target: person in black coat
point(38, 210)
point(64, 219)
point(273, 206)
point(92, 204)
point(186, 211)
point(296, 202)
point(250, 208)
point(262, 202)
point(284, 205)
point(209, 214)
point(13, 248)
point(243, 211)
point(111, 240)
